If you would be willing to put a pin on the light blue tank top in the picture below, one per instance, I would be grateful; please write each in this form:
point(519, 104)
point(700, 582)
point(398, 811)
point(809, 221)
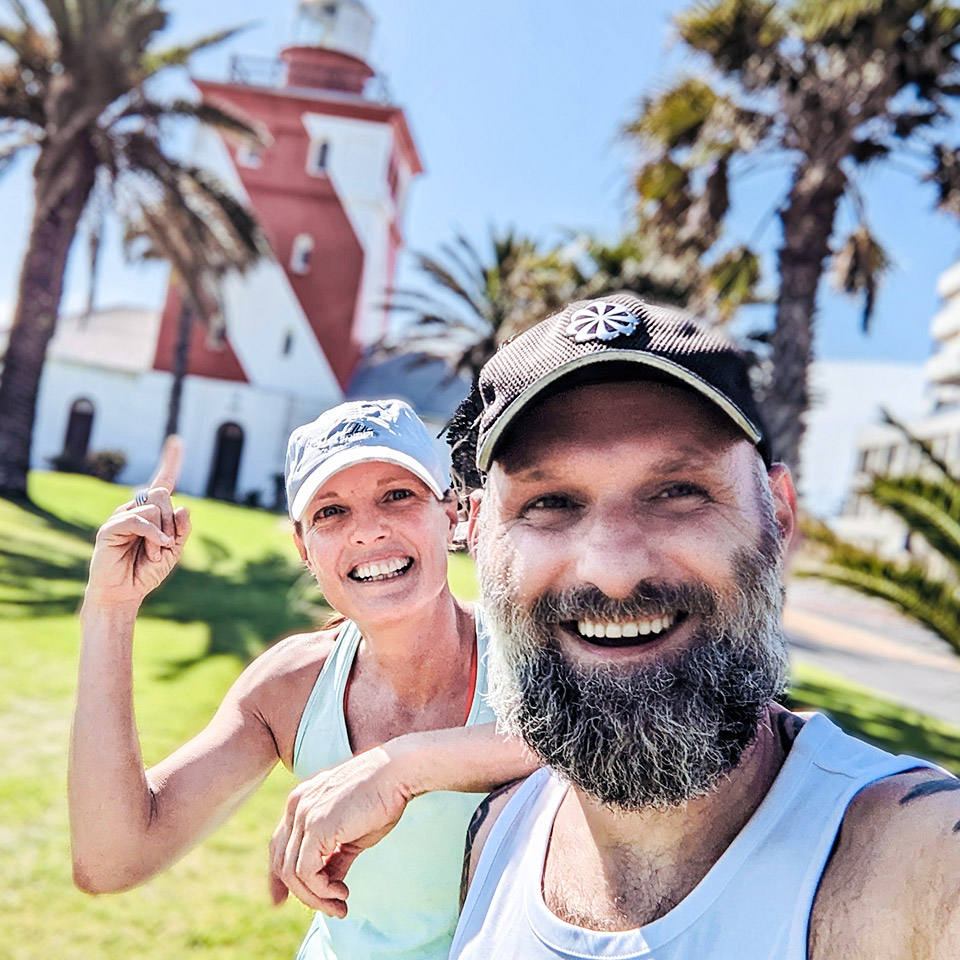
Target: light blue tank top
point(404, 892)
point(753, 904)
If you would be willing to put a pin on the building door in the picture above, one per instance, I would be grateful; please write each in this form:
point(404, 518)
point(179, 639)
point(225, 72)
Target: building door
point(226, 462)
point(77, 440)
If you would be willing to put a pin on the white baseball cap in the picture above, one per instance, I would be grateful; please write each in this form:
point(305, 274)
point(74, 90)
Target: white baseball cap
point(360, 431)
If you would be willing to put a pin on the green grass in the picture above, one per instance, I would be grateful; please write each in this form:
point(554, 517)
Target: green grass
point(874, 718)
point(239, 587)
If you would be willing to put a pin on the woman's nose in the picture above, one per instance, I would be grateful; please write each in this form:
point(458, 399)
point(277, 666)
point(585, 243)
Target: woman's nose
point(369, 526)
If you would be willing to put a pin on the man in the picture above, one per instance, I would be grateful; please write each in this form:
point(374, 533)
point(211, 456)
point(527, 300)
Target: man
point(630, 538)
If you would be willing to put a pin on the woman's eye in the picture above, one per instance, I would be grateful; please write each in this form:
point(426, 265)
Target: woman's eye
point(324, 513)
point(399, 494)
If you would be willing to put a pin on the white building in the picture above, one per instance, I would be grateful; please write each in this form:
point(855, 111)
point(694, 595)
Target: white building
point(882, 448)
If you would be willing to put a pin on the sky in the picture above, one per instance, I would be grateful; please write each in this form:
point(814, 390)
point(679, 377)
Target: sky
point(516, 108)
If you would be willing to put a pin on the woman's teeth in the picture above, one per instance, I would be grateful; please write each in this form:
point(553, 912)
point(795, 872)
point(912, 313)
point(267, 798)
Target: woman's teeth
point(636, 628)
point(383, 570)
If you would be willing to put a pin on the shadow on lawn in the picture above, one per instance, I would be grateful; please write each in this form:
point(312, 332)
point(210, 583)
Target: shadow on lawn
point(245, 609)
point(880, 722)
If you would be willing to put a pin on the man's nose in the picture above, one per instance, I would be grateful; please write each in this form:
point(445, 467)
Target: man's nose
point(615, 553)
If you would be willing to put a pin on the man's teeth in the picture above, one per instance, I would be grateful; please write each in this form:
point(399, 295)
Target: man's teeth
point(642, 628)
point(383, 570)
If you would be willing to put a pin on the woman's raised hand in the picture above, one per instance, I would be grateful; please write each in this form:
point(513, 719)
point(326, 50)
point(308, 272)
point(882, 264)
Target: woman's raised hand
point(141, 543)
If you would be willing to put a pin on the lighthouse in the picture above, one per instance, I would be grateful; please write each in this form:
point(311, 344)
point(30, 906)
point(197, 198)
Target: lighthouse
point(329, 190)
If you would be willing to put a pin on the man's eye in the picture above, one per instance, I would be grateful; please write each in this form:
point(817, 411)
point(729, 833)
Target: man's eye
point(552, 501)
point(677, 491)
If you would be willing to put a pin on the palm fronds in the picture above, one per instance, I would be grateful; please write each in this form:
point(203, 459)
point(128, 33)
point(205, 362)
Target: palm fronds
point(928, 506)
point(859, 266)
point(928, 600)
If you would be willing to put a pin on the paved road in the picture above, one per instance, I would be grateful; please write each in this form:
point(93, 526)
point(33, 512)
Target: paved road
point(867, 641)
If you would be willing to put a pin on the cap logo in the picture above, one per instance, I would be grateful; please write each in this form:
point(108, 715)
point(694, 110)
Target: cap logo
point(601, 321)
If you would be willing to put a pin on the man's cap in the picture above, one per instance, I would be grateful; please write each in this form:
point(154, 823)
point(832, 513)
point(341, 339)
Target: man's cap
point(385, 431)
point(665, 344)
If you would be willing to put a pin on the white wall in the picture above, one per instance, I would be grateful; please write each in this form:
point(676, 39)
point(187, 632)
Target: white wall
point(130, 413)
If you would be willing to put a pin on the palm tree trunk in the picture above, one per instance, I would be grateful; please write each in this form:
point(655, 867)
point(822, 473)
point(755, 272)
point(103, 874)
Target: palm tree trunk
point(60, 199)
point(181, 355)
point(807, 224)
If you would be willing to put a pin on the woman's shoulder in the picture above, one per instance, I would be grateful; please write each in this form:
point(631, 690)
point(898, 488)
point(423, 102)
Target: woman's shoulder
point(278, 683)
point(298, 653)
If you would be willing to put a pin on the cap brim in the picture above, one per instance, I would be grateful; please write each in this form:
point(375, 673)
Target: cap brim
point(662, 364)
point(348, 458)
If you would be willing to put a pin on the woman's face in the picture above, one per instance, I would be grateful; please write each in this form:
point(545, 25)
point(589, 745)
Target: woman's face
point(376, 539)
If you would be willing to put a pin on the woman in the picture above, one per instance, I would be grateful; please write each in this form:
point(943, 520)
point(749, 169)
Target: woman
point(373, 518)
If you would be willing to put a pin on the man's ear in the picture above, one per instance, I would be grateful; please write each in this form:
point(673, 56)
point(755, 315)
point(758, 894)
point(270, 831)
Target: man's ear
point(474, 501)
point(784, 503)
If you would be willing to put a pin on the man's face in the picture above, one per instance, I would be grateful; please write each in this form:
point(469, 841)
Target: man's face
point(629, 551)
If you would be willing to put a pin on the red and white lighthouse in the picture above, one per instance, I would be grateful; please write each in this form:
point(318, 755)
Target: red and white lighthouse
point(329, 192)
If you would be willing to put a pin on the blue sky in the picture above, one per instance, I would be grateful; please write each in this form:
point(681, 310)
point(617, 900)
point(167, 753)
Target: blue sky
point(516, 108)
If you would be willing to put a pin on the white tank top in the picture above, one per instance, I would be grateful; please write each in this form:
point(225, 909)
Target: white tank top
point(404, 892)
point(754, 903)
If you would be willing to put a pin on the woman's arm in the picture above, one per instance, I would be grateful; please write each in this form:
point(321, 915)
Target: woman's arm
point(333, 816)
point(128, 823)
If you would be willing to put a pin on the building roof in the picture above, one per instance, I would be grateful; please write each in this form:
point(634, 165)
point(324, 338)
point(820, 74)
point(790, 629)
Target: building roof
point(423, 381)
point(120, 338)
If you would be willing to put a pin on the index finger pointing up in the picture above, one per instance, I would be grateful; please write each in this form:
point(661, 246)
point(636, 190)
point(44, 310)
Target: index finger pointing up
point(170, 461)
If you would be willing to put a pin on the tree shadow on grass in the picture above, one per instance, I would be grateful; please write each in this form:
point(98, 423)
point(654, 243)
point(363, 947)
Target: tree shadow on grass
point(881, 722)
point(82, 531)
point(244, 609)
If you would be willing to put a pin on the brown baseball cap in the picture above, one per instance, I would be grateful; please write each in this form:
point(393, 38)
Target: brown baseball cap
point(663, 342)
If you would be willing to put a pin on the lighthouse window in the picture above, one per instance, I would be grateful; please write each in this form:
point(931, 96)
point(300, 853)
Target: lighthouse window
point(317, 157)
point(248, 156)
point(300, 253)
point(287, 344)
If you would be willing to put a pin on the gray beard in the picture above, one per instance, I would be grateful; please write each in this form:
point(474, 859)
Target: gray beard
point(649, 736)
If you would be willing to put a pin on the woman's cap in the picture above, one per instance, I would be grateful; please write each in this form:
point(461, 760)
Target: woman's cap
point(360, 431)
point(624, 337)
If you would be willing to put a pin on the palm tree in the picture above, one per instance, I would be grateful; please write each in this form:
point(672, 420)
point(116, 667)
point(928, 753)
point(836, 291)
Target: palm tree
point(469, 306)
point(928, 504)
point(78, 94)
point(827, 88)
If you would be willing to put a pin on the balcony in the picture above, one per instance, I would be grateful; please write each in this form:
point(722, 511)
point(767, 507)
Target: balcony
point(944, 366)
point(311, 69)
point(946, 322)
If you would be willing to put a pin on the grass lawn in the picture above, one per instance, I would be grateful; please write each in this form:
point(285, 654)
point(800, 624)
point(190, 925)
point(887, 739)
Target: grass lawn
point(239, 587)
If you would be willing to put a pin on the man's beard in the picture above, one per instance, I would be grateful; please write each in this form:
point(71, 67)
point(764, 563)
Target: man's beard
point(649, 735)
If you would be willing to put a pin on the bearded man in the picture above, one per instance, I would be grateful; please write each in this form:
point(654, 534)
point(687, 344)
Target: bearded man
point(630, 538)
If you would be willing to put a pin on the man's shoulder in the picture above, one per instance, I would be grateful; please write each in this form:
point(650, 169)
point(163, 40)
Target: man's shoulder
point(920, 805)
point(484, 817)
point(895, 870)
